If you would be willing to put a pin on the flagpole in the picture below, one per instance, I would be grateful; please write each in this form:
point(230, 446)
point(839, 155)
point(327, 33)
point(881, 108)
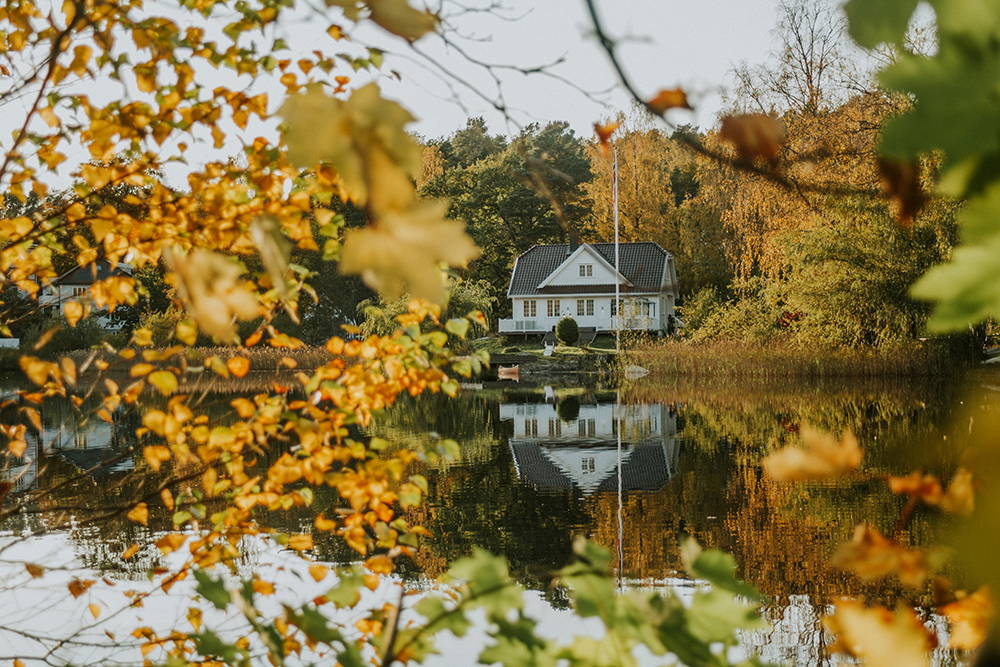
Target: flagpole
point(618, 303)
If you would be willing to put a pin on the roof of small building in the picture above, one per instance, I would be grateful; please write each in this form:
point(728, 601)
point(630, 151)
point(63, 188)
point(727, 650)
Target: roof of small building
point(88, 275)
point(646, 468)
point(641, 263)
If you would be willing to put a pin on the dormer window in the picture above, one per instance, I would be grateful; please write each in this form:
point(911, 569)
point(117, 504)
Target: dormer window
point(586, 270)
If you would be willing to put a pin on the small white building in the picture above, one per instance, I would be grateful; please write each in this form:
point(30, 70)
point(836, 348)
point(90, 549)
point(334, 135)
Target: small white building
point(74, 285)
point(550, 282)
point(582, 453)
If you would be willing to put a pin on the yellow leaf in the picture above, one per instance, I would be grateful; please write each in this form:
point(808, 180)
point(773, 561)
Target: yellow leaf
point(156, 455)
point(95, 610)
point(194, 618)
point(399, 18)
point(380, 564)
point(970, 618)
point(238, 366)
point(73, 311)
point(823, 456)
point(403, 253)
point(263, 587)
point(168, 499)
point(17, 447)
point(318, 572)
point(140, 369)
point(164, 381)
point(131, 551)
point(211, 287)
point(139, 514)
point(879, 637)
point(36, 370)
point(244, 408)
point(959, 498)
point(187, 332)
point(142, 337)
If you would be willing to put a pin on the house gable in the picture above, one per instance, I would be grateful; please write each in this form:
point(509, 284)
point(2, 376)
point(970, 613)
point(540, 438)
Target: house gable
point(584, 266)
point(643, 264)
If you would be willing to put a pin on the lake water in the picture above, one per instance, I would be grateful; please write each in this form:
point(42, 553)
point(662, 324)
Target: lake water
point(636, 468)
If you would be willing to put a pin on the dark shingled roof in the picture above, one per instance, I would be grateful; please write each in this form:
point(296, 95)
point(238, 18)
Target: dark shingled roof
point(641, 263)
point(646, 469)
point(88, 275)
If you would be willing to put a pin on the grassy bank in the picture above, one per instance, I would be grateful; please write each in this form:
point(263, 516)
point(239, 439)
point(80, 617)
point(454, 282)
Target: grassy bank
point(727, 359)
point(261, 358)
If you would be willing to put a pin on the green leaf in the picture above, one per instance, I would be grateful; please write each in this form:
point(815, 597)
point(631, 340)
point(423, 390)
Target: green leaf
point(209, 644)
point(966, 289)
point(458, 326)
point(347, 592)
point(489, 582)
point(716, 567)
point(212, 589)
point(715, 616)
point(873, 22)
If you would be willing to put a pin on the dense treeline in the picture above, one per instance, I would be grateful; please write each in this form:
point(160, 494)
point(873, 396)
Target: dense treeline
point(758, 261)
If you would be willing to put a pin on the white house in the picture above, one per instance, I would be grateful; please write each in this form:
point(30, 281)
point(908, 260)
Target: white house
point(550, 282)
point(550, 452)
point(74, 285)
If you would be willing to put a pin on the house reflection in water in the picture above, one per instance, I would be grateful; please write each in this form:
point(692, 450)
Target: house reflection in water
point(83, 444)
point(553, 453)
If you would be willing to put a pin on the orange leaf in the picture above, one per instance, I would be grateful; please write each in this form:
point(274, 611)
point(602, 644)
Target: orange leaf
point(869, 555)
point(901, 184)
point(754, 135)
point(822, 457)
point(925, 487)
point(668, 98)
point(300, 542)
point(879, 637)
point(34, 570)
point(78, 587)
point(318, 572)
point(970, 618)
point(238, 366)
point(131, 551)
point(604, 133)
point(170, 542)
point(139, 514)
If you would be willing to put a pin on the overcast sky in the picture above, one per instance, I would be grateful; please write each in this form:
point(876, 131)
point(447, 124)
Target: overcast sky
point(666, 43)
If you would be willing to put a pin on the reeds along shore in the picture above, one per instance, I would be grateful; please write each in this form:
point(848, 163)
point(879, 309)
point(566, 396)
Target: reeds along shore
point(728, 359)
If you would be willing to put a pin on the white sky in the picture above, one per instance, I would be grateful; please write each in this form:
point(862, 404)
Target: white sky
point(665, 43)
point(668, 43)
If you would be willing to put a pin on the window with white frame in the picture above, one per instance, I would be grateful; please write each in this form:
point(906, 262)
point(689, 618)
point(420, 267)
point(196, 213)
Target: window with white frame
point(586, 270)
point(552, 307)
point(584, 307)
point(79, 291)
point(588, 464)
point(530, 308)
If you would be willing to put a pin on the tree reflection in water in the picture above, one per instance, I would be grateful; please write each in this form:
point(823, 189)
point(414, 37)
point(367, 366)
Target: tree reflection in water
point(532, 474)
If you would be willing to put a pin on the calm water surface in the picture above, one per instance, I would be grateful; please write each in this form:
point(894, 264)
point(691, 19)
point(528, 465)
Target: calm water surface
point(636, 469)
